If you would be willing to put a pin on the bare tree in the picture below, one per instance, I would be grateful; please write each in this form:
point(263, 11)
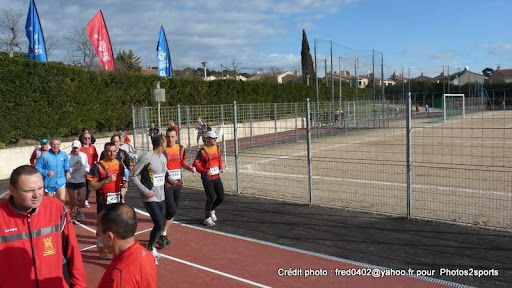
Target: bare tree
point(51, 42)
point(235, 64)
point(81, 52)
point(274, 70)
point(10, 20)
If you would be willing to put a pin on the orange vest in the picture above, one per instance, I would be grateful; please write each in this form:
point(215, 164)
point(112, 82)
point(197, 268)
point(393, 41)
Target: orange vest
point(174, 156)
point(212, 156)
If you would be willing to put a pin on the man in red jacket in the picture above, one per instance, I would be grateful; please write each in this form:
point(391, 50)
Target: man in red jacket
point(132, 266)
point(38, 245)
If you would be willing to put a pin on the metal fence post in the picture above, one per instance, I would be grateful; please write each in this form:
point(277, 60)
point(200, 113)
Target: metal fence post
point(133, 126)
point(296, 122)
point(275, 123)
point(310, 156)
point(250, 125)
point(188, 126)
point(235, 135)
point(221, 129)
point(179, 124)
point(409, 157)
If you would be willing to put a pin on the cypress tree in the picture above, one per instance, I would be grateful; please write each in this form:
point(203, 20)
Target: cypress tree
point(306, 60)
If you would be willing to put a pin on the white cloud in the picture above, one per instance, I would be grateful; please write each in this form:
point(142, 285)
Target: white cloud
point(204, 30)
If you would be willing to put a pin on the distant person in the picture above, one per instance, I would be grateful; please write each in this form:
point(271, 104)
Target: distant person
point(92, 157)
point(79, 167)
point(54, 166)
point(132, 265)
point(126, 138)
point(39, 151)
point(417, 108)
point(153, 131)
point(37, 239)
point(86, 131)
point(208, 162)
point(426, 108)
point(205, 128)
point(397, 111)
point(199, 127)
point(337, 116)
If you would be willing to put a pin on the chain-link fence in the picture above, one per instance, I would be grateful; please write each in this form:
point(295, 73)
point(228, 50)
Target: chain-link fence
point(358, 155)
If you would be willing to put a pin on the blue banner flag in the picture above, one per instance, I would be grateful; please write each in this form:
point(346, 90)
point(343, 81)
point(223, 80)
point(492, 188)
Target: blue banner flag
point(36, 46)
point(163, 56)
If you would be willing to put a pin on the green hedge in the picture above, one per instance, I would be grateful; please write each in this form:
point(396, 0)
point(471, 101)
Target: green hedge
point(53, 99)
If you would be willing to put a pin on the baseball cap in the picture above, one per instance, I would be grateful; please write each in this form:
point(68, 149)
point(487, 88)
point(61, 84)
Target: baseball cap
point(211, 134)
point(44, 141)
point(76, 144)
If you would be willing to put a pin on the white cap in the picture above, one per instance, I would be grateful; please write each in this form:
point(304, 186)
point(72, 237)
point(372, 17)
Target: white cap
point(76, 144)
point(211, 134)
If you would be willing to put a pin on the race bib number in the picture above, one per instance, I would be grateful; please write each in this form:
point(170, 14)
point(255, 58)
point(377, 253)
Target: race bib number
point(113, 198)
point(158, 180)
point(214, 170)
point(175, 174)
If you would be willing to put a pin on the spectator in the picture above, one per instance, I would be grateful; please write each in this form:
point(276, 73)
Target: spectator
point(132, 265)
point(33, 255)
point(153, 131)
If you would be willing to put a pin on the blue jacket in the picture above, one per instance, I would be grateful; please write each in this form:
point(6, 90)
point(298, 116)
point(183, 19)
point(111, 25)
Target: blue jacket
point(58, 163)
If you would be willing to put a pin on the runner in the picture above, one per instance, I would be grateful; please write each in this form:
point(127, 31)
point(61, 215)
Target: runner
point(149, 176)
point(107, 178)
point(54, 166)
point(39, 151)
point(176, 160)
point(92, 157)
point(123, 158)
point(79, 167)
point(208, 162)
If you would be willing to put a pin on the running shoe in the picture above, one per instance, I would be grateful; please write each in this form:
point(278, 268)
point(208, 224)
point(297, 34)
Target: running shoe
point(73, 217)
point(87, 204)
point(156, 255)
point(161, 241)
point(80, 215)
point(213, 216)
point(209, 222)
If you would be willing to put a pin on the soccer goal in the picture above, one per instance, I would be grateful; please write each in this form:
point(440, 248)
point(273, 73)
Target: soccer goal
point(453, 105)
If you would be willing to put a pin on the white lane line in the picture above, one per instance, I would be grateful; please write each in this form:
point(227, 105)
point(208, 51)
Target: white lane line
point(181, 260)
point(445, 188)
point(323, 256)
point(214, 271)
point(508, 126)
point(94, 231)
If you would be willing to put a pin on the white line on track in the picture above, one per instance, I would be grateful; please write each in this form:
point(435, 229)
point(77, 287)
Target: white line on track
point(215, 271)
point(180, 260)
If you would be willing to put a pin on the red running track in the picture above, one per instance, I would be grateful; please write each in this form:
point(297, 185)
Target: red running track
point(201, 257)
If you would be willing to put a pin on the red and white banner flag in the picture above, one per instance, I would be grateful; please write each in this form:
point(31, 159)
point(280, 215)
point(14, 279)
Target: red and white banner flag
point(98, 35)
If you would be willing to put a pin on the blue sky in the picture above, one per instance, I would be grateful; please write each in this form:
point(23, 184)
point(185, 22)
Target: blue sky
point(420, 35)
